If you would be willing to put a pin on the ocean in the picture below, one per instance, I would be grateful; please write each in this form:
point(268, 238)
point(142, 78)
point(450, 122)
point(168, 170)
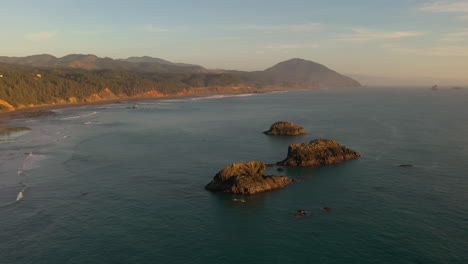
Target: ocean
point(110, 184)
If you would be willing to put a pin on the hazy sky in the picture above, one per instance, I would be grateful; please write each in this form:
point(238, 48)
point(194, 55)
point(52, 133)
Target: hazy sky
point(398, 38)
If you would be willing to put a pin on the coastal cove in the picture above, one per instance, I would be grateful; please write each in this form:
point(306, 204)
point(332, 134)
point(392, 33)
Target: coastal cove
point(106, 183)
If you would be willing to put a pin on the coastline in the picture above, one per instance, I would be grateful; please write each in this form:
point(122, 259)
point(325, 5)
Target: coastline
point(106, 98)
point(41, 110)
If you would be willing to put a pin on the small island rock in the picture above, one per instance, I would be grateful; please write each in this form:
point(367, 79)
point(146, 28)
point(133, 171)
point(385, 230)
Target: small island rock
point(317, 152)
point(246, 178)
point(285, 129)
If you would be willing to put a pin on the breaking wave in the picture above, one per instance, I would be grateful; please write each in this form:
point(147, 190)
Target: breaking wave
point(78, 116)
point(220, 96)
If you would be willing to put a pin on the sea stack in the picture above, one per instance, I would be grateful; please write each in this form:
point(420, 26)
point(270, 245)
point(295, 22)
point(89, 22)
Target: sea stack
point(317, 152)
point(246, 178)
point(283, 128)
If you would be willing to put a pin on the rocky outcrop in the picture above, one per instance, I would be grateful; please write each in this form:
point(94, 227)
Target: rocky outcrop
point(5, 105)
point(246, 178)
point(317, 152)
point(285, 129)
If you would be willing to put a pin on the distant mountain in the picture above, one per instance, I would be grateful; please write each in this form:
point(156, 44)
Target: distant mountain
point(147, 59)
point(304, 72)
point(35, 60)
point(296, 72)
point(92, 62)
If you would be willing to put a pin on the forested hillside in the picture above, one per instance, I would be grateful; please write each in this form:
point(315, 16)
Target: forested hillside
point(25, 85)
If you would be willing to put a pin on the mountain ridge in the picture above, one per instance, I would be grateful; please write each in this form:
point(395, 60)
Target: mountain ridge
point(93, 62)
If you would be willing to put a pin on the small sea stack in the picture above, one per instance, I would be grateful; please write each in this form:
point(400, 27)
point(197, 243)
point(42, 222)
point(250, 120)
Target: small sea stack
point(246, 178)
point(317, 152)
point(284, 128)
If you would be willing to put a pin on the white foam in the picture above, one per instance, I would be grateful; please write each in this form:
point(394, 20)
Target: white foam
point(220, 96)
point(20, 195)
point(30, 162)
point(78, 116)
point(244, 95)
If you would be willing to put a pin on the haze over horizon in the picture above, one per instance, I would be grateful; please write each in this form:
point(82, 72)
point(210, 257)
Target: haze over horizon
point(403, 41)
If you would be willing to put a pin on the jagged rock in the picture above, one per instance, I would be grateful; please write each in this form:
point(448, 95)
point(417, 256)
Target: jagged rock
point(285, 129)
point(246, 178)
point(317, 152)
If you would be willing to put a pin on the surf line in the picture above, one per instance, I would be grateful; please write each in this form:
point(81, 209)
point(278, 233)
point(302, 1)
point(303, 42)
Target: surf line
point(20, 173)
point(79, 116)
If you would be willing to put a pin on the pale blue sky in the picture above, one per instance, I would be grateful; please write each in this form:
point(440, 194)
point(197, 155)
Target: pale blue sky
point(399, 38)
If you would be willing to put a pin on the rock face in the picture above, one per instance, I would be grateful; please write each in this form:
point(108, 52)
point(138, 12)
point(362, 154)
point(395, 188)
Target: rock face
point(317, 152)
point(285, 129)
point(246, 178)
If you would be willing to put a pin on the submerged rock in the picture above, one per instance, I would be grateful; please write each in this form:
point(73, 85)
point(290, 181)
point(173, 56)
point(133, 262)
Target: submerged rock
point(285, 129)
point(406, 166)
point(246, 178)
point(317, 152)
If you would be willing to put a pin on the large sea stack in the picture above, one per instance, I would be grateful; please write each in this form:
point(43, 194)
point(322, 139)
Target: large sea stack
point(285, 129)
point(246, 178)
point(317, 152)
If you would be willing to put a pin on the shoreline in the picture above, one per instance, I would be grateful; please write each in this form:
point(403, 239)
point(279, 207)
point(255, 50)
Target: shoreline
point(21, 113)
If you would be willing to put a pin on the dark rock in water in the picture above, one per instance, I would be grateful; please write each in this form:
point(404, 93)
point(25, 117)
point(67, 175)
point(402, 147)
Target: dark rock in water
point(280, 169)
point(406, 166)
point(246, 178)
point(285, 129)
point(328, 209)
point(302, 212)
point(317, 152)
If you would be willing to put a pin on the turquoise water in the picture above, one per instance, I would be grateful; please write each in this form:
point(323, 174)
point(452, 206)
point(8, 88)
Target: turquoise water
point(107, 184)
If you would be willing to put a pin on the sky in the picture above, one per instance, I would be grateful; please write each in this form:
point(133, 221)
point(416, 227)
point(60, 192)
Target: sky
point(417, 41)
